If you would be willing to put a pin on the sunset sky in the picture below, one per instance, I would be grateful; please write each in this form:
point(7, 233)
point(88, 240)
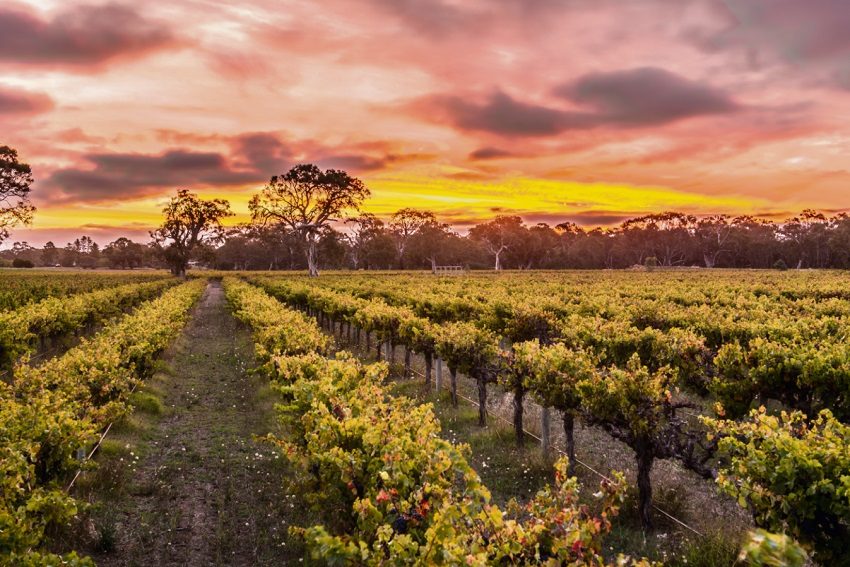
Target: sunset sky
point(590, 111)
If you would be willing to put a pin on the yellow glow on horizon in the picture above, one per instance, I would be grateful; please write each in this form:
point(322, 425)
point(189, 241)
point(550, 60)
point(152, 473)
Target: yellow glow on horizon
point(449, 199)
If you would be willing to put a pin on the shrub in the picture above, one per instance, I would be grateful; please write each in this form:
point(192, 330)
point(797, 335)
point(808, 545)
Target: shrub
point(22, 263)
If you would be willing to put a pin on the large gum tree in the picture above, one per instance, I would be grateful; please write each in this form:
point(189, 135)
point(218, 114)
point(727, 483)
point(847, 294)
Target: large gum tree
point(308, 200)
point(190, 223)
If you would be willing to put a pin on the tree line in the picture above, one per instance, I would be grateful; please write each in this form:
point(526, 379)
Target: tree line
point(308, 218)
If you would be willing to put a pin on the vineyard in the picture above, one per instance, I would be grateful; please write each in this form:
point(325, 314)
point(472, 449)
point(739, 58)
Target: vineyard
point(670, 417)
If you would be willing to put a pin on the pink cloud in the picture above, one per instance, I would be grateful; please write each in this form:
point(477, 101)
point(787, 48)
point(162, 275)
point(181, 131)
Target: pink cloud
point(78, 36)
point(22, 102)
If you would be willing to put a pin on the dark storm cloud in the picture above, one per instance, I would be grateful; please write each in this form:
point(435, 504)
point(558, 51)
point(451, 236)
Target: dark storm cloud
point(431, 17)
point(264, 152)
point(501, 114)
point(14, 101)
point(645, 96)
point(353, 162)
point(252, 158)
point(125, 176)
point(439, 18)
point(361, 162)
point(622, 99)
point(490, 153)
point(79, 36)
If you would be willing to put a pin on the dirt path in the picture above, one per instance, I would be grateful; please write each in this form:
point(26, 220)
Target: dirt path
point(198, 490)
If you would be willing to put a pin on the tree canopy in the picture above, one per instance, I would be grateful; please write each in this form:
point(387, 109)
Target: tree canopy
point(307, 200)
point(189, 222)
point(15, 181)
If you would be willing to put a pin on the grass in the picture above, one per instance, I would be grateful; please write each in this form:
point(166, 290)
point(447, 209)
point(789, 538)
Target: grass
point(508, 471)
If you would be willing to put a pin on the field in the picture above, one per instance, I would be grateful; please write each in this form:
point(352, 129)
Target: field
point(265, 418)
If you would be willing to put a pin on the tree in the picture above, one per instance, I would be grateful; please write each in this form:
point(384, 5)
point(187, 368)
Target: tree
point(405, 224)
point(307, 200)
point(432, 241)
point(839, 240)
point(663, 235)
point(713, 233)
point(49, 254)
point(498, 235)
point(806, 236)
point(370, 244)
point(124, 253)
point(753, 242)
point(87, 251)
point(190, 222)
point(268, 247)
point(15, 181)
point(540, 244)
point(68, 258)
point(22, 250)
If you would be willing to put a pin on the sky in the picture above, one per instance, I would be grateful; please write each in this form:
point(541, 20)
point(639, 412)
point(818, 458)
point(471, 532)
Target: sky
point(589, 111)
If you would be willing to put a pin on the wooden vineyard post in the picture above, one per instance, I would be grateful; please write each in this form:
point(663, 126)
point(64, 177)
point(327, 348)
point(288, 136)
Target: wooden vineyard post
point(439, 375)
point(453, 377)
point(545, 442)
point(429, 359)
point(406, 362)
point(519, 395)
point(482, 401)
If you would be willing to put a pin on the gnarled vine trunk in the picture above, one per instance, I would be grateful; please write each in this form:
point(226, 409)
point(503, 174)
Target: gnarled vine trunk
point(482, 400)
point(519, 396)
point(429, 359)
point(569, 429)
point(645, 459)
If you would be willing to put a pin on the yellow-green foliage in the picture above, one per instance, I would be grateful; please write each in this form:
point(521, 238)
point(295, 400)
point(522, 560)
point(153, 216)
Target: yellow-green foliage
point(793, 474)
point(19, 329)
point(764, 549)
point(402, 495)
point(49, 412)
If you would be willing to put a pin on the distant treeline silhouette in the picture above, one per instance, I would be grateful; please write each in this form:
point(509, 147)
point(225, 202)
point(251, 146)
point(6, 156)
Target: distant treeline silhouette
point(412, 239)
